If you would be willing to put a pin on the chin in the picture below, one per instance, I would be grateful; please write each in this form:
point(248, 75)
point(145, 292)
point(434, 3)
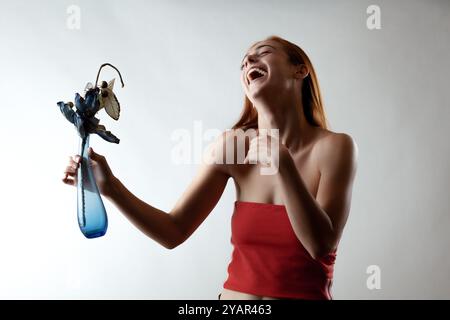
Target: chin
point(259, 92)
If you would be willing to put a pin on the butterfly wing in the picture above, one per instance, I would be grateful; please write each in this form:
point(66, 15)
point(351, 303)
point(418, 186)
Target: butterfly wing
point(112, 105)
point(111, 84)
point(101, 101)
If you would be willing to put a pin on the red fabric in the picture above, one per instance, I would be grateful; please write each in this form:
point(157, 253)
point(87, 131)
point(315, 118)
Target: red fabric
point(269, 260)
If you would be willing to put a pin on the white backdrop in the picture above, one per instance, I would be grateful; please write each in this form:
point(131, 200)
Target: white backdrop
point(387, 88)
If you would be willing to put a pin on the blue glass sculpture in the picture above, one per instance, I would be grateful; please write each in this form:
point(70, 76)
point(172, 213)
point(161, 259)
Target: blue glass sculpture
point(92, 217)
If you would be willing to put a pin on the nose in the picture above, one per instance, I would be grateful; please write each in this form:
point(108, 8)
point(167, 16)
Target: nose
point(250, 58)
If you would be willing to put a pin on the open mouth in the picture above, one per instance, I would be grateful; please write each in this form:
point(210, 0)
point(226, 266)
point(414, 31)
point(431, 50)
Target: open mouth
point(255, 73)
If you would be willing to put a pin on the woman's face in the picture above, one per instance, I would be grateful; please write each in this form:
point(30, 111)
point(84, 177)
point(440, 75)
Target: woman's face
point(266, 71)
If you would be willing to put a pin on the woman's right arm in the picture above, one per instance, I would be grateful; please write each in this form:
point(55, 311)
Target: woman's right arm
point(169, 229)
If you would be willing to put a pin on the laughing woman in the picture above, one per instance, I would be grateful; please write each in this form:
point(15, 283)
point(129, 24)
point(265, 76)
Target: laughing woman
point(286, 225)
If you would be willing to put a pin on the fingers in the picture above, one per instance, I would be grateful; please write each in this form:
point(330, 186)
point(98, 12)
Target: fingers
point(259, 151)
point(69, 180)
point(69, 176)
point(95, 156)
point(74, 163)
point(252, 156)
point(76, 158)
point(251, 153)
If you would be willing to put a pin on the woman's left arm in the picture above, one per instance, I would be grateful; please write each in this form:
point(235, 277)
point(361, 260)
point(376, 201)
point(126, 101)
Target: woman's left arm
point(318, 223)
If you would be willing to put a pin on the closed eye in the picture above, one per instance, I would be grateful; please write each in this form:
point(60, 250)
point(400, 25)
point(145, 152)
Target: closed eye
point(260, 54)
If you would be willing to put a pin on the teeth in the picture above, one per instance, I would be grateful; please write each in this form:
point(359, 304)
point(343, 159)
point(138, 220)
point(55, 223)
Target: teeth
point(261, 71)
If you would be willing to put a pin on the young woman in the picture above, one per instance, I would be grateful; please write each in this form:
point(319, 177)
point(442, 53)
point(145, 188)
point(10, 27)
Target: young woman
point(286, 225)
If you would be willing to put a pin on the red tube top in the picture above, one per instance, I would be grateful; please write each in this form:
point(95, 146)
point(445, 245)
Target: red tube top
point(269, 260)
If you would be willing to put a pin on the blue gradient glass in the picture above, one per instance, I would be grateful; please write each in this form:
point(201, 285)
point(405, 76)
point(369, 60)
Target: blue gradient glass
point(92, 217)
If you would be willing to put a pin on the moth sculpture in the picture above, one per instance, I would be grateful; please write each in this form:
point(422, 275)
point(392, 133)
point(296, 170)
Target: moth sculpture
point(92, 217)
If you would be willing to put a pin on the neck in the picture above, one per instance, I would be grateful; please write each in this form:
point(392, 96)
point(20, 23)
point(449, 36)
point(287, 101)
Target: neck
point(294, 130)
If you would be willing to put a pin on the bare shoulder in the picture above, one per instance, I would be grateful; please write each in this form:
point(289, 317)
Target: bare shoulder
point(335, 148)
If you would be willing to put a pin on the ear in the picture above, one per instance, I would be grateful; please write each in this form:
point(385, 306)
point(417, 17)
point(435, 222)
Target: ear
point(301, 71)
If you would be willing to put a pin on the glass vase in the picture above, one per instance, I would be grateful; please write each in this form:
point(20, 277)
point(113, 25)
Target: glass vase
point(92, 217)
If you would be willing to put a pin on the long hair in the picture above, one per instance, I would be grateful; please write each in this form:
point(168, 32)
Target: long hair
point(311, 98)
